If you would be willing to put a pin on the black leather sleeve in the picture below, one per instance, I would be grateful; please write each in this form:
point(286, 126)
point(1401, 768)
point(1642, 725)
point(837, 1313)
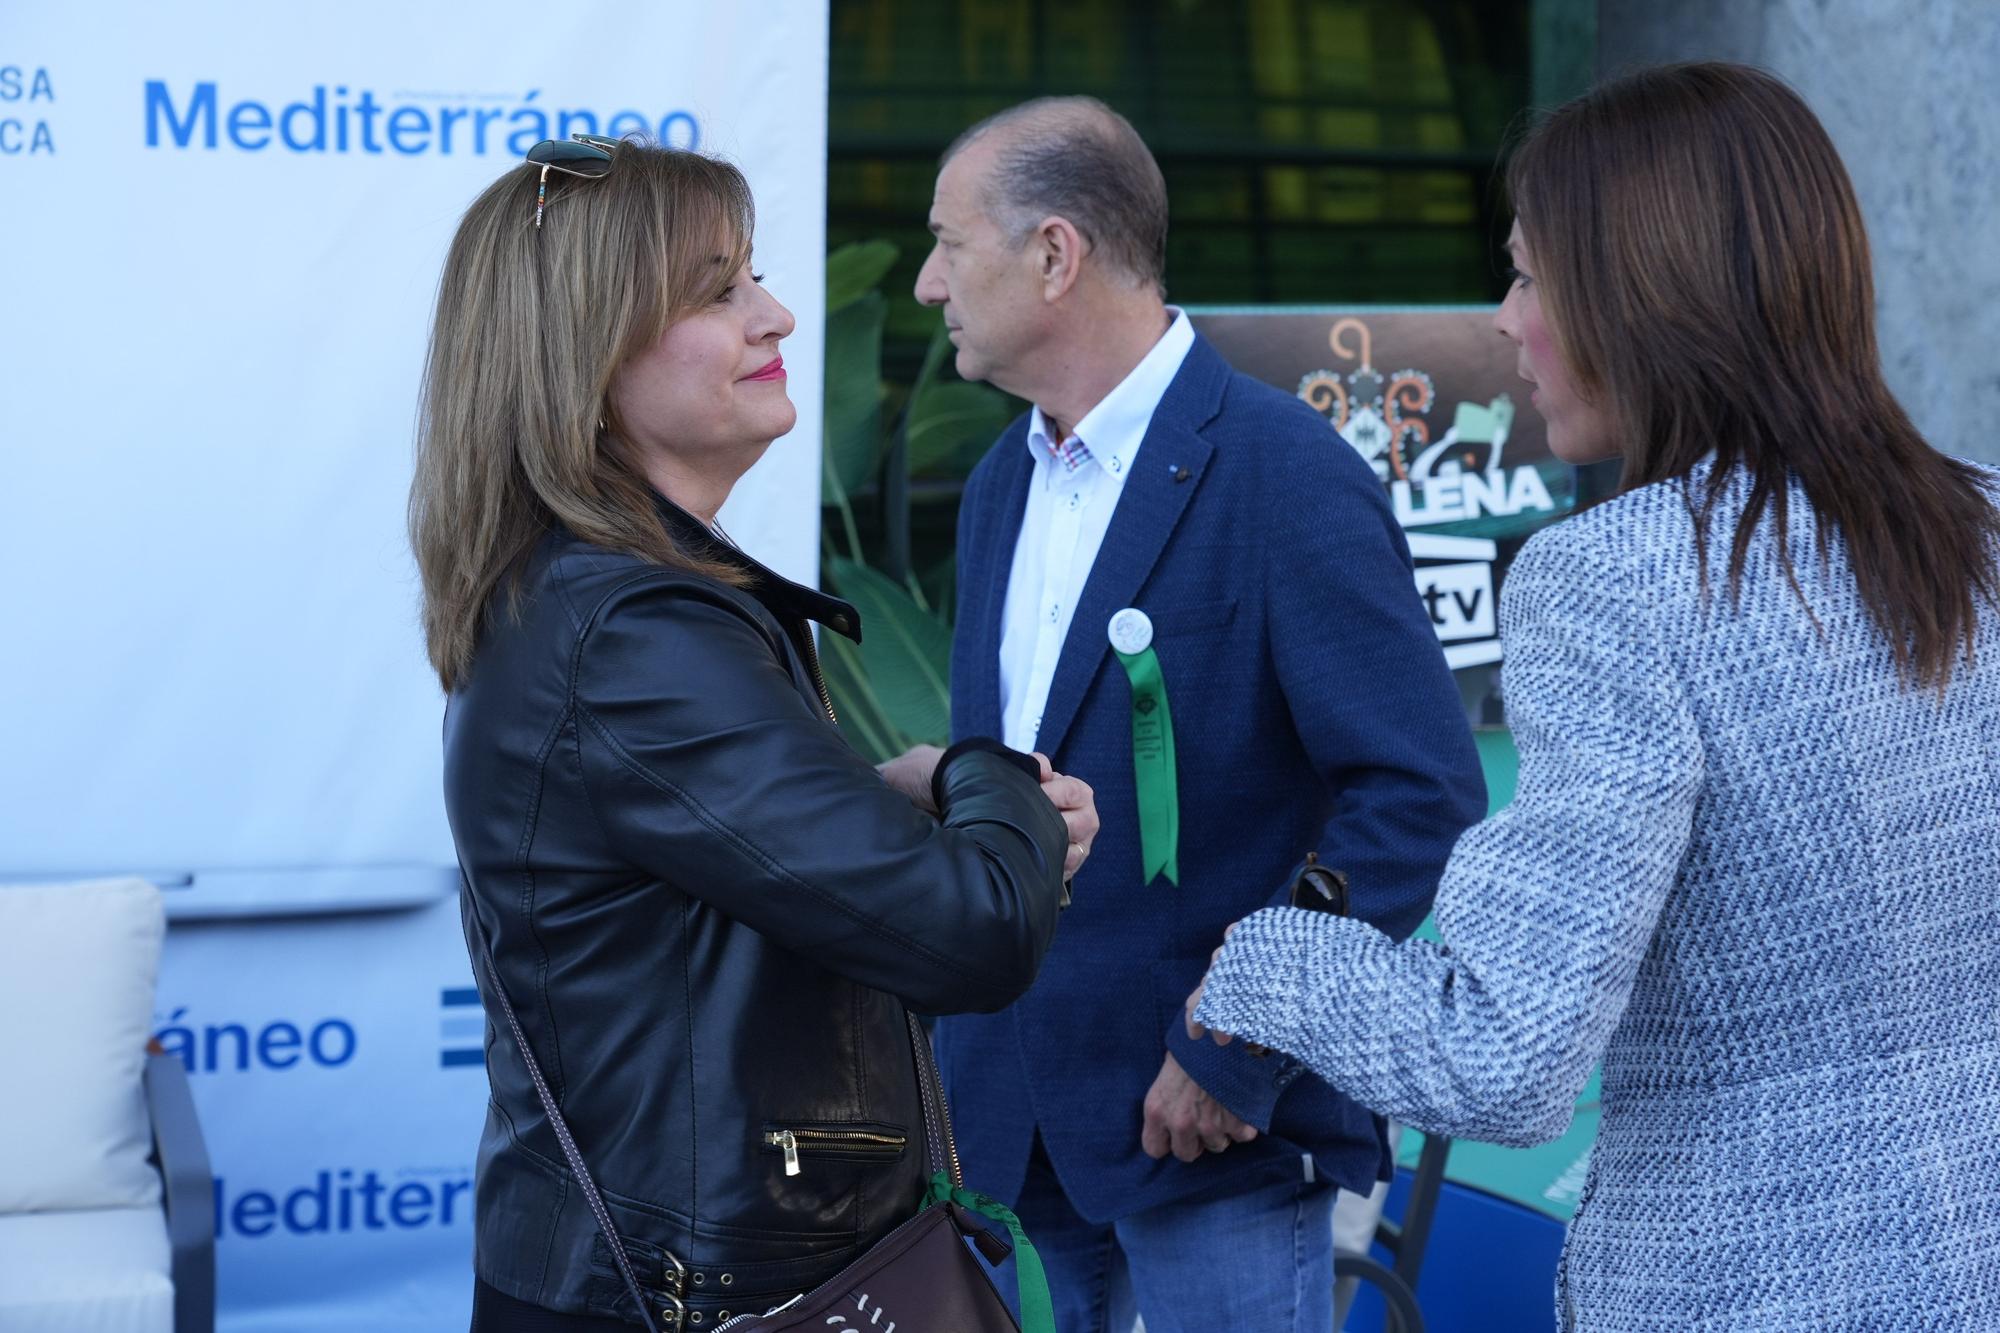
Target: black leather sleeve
point(708, 769)
point(983, 744)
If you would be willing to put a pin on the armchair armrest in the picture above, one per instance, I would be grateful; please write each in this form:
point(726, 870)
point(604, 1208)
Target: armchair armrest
point(188, 1189)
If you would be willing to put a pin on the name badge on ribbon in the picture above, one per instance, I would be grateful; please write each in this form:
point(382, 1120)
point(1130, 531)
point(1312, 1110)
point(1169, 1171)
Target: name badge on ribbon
point(1153, 767)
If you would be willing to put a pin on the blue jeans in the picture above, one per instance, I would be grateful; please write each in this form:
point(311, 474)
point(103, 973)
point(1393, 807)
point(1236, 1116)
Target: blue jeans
point(1260, 1260)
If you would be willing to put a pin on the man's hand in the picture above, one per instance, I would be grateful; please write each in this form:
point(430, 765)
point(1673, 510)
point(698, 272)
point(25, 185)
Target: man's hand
point(1182, 1118)
point(1078, 805)
point(910, 773)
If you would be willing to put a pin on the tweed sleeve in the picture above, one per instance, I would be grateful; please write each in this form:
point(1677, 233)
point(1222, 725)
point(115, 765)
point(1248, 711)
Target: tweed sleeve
point(1545, 910)
point(1365, 686)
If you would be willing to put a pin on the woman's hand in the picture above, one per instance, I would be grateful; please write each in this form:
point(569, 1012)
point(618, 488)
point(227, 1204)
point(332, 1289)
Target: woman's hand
point(1194, 1029)
point(1078, 806)
point(910, 773)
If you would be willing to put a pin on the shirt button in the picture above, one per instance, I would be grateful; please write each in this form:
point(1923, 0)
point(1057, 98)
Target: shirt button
point(1073, 501)
point(1114, 465)
point(1054, 611)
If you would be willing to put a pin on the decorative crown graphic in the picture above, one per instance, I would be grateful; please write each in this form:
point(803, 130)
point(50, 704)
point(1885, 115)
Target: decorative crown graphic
point(1383, 416)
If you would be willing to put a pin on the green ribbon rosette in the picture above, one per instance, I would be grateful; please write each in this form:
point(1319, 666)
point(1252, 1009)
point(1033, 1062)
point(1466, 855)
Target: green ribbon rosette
point(1155, 779)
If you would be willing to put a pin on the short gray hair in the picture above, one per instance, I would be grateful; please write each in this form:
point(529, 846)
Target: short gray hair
point(1076, 158)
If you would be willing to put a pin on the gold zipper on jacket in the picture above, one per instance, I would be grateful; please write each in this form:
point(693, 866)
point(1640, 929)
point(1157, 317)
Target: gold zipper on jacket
point(931, 1089)
point(950, 1141)
point(789, 1141)
point(951, 1150)
point(819, 680)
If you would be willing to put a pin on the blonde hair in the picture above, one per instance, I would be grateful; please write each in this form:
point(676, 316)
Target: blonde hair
point(517, 432)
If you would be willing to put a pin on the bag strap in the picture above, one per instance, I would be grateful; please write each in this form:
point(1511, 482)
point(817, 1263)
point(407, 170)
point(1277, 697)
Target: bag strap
point(940, 1148)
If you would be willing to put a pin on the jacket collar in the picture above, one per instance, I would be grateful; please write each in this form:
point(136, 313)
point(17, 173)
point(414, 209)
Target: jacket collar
point(780, 596)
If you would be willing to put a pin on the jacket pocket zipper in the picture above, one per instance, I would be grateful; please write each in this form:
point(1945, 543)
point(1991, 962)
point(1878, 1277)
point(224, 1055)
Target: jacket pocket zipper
point(795, 1142)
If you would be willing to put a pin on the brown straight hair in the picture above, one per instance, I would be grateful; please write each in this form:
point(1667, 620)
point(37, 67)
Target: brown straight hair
point(1704, 265)
point(517, 432)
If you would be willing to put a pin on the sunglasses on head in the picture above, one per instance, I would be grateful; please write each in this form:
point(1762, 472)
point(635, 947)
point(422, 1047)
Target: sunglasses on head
point(585, 155)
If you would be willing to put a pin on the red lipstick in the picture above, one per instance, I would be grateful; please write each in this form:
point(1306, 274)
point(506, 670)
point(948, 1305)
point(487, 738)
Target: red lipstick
point(773, 371)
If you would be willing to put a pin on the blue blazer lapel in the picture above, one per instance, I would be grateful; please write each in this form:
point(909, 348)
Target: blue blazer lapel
point(1149, 509)
point(985, 585)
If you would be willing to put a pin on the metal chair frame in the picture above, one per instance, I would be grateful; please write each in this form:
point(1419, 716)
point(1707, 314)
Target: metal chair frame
point(1405, 1241)
point(187, 1193)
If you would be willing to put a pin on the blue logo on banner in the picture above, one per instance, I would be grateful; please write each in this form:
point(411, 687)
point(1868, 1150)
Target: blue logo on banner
point(342, 1200)
point(336, 120)
point(214, 1047)
point(25, 133)
point(463, 1021)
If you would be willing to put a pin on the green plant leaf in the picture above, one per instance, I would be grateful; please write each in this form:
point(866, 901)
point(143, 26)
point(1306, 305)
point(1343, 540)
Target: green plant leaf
point(862, 718)
point(935, 352)
point(852, 436)
point(952, 425)
point(940, 583)
point(855, 269)
point(905, 652)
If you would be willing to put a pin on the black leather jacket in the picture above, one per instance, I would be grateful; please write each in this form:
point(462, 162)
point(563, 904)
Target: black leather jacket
point(709, 913)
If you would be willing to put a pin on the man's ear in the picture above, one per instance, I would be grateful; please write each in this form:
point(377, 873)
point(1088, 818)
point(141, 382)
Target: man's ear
point(1059, 252)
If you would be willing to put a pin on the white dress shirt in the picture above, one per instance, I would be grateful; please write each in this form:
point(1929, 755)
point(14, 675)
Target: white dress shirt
point(1075, 488)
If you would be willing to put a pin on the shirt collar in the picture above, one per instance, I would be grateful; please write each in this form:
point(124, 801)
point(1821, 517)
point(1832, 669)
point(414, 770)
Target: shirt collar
point(1113, 429)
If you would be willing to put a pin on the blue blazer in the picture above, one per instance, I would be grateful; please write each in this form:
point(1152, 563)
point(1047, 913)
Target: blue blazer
point(1312, 711)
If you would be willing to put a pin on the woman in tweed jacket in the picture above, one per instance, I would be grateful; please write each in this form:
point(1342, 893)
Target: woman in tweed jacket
point(1751, 865)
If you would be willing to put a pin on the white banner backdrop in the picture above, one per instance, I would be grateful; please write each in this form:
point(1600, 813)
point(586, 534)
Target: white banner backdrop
point(217, 260)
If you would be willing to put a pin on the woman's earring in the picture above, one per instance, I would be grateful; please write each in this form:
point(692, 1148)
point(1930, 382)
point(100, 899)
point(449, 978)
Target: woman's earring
point(601, 426)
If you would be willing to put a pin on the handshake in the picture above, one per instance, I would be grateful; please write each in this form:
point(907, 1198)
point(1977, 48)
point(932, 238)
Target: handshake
point(1179, 1117)
point(910, 773)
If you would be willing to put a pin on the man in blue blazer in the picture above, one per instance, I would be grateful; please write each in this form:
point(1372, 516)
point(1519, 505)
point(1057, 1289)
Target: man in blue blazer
point(1182, 587)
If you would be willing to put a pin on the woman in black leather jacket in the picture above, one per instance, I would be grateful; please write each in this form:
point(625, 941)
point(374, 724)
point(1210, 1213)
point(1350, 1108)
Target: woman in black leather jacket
point(707, 911)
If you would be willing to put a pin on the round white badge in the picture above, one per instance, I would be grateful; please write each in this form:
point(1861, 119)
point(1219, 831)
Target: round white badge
point(1131, 631)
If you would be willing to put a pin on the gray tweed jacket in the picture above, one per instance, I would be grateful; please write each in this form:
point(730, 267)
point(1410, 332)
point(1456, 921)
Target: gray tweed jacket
point(1755, 877)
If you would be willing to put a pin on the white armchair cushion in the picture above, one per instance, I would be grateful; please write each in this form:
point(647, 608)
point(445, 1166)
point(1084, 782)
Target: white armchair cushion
point(77, 968)
point(103, 1271)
